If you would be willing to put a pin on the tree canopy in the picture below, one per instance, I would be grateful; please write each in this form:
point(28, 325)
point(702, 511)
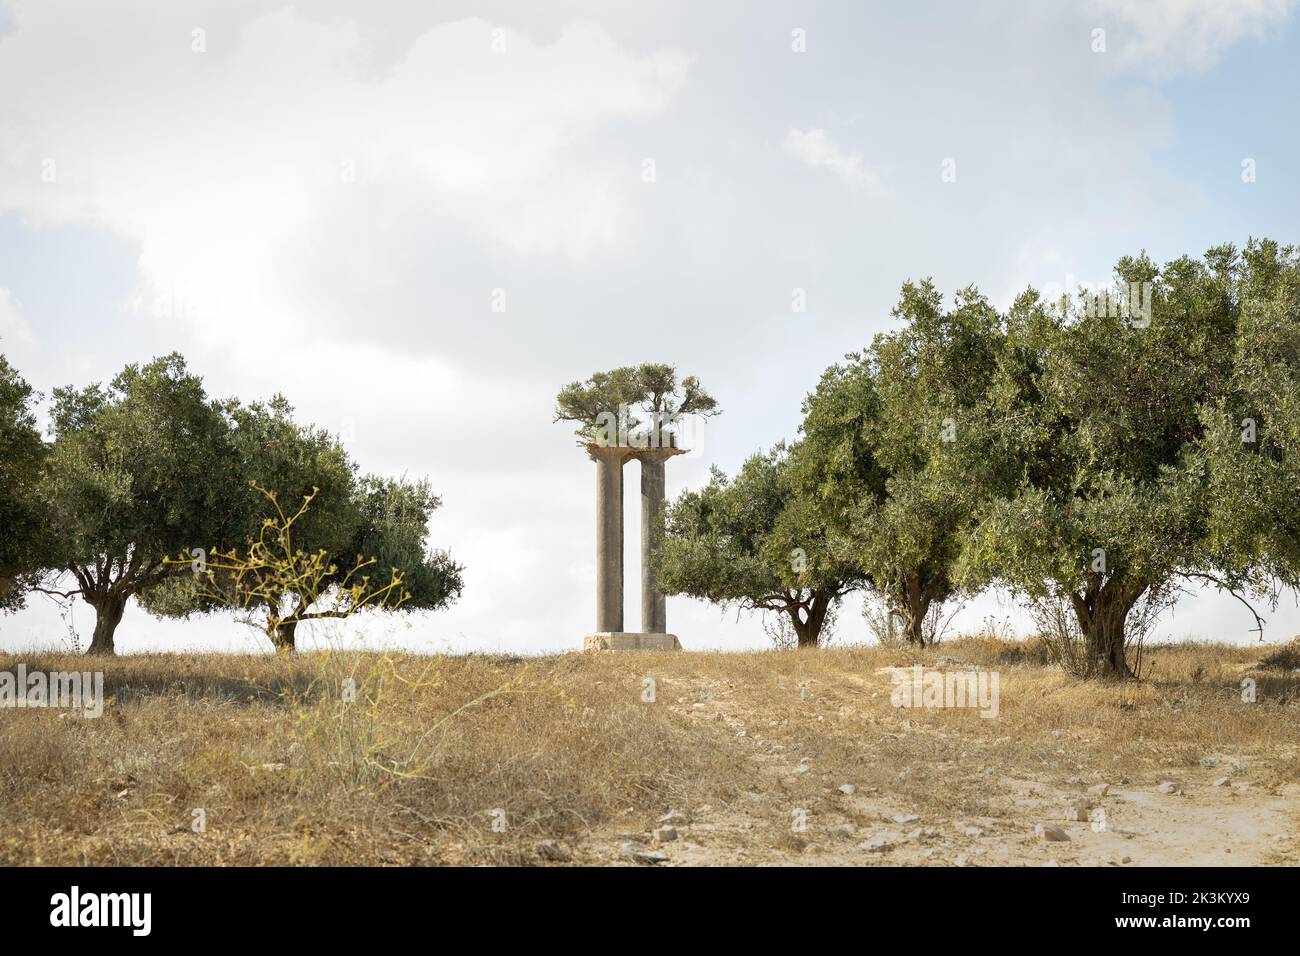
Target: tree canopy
point(22, 455)
point(755, 543)
point(138, 471)
point(1095, 454)
point(147, 477)
point(380, 521)
point(1116, 419)
point(896, 449)
point(607, 405)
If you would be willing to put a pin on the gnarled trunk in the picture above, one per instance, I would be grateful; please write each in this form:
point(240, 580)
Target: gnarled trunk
point(915, 604)
point(1102, 616)
point(282, 635)
point(808, 630)
point(108, 614)
point(918, 605)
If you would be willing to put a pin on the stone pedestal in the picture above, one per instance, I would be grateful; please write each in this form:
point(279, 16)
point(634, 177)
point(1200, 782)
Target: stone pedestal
point(630, 641)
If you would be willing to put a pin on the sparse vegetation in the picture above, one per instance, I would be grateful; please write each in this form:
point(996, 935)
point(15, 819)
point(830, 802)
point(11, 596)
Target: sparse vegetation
point(411, 772)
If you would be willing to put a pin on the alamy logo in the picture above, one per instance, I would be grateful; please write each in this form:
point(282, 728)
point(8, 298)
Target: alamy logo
point(65, 690)
point(103, 909)
point(917, 687)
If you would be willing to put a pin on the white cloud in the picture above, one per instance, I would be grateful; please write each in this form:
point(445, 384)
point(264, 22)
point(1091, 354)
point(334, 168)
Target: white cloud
point(819, 151)
point(1167, 36)
point(277, 141)
point(14, 329)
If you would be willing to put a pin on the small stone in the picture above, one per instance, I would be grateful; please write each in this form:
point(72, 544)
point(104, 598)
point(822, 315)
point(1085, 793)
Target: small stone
point(848, 789)
point(1050, 834)
point(972, 832)
point(1127, 859)
point(1170, 787)
point(665, 835)
point(801, 769)
point(905, 818)
point(630, 851)
point(1221, 782)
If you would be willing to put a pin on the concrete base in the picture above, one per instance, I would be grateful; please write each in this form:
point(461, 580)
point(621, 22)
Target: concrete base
point(630, 641)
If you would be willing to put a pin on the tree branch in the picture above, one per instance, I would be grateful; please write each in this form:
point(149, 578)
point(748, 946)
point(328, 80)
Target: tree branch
point(1259, 621)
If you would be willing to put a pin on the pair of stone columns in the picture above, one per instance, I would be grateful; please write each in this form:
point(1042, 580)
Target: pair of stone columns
point(610, 635)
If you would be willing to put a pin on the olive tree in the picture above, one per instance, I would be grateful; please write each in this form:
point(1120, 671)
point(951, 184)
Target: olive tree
point(1101, 402)
point(289, 563)
point(897, 452)
point(1253, 430)
point(601, 403)
point(22, 454)
point(606, 406)
point(138, 471)
point(756, 544)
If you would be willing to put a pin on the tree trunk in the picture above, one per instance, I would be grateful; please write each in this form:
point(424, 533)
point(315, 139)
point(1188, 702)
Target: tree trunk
point(108, 614)
point(1102, 620)
point(918, 604)
point(809, 631)
point(282, 636)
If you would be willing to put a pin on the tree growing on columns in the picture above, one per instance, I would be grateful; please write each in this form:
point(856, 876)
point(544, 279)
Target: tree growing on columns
point(607, 408)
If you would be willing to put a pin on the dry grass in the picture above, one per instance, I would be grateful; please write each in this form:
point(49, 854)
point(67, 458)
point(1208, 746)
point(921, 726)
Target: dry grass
point(412, 772)
point(1284, 658)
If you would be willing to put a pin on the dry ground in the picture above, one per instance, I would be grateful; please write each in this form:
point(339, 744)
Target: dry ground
point(561, 760)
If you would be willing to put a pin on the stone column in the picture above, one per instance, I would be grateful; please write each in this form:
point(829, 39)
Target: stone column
point(609, 535)
point(654, 606)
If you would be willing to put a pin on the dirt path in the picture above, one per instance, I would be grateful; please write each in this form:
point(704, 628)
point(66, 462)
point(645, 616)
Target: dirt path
point(801, 810)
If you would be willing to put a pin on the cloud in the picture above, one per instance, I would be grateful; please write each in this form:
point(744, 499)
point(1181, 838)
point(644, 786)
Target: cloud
point(282, 143)
point(1169, 36)
point(14, 329)
point(815, 148)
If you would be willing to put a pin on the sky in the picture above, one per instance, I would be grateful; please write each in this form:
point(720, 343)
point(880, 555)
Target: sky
point(419, 220)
